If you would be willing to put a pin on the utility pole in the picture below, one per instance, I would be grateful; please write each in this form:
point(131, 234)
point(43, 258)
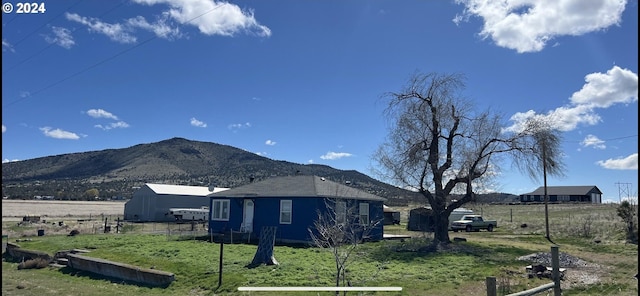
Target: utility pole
point(546, 194)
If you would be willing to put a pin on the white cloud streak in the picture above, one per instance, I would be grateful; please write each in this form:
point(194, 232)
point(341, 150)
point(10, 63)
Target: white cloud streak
point(601, 90)
point(197, 123)
point(270, 143)
point(116, 32)
point(593, 141)
point(335, 155)
point(529, 25)
point(113, 125)
point(211, 17)
point(7, 46)
point(100, 113)
point(61, 37)
point(236, 126)
point(58, 133)
point(627, 163)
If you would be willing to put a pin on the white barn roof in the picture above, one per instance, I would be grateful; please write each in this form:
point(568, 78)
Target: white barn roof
point(183, 190)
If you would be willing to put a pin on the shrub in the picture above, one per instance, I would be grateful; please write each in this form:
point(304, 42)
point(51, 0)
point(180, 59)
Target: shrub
point(629, 214)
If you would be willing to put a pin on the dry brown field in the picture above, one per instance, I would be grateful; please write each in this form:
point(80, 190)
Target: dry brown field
point(16, 209)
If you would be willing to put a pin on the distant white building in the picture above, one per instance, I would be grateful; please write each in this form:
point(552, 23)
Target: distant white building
point(152, 202)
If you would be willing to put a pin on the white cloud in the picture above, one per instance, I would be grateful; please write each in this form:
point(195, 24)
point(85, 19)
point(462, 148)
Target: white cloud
point(9, 160)
point(605, 89)
point(270, 143)
point(211, 17)
point(4, 128)
point(528, 25)
point(119, 124)
point(161, 28)
point(61, 37)
point(602, 90)
point(116, 32)
point(197, 123)
point(236, 126)
point(593, 141)
point(627, 163)
point(310, 161)
point(335, 155)
point(99, 113)
point(58, 133)
point(7, 46)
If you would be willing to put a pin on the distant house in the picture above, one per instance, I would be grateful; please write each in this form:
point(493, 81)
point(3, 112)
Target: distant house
point(292, 205)
point(558, 194)
point(151, 202)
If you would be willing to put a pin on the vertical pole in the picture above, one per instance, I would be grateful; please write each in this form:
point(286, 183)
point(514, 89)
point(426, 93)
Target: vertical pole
point(220, 264)
point(555, 273)
point(105, 225)
point(546, 195)
point(511, 215)
point(491, 286)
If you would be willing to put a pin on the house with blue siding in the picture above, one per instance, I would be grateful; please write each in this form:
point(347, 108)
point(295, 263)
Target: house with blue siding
point(292, 204)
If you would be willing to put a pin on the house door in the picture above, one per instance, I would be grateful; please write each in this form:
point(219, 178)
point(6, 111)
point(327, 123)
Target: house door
point(247, 214)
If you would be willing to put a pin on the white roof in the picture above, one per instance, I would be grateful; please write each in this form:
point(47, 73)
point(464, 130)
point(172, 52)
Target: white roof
point(183, 190)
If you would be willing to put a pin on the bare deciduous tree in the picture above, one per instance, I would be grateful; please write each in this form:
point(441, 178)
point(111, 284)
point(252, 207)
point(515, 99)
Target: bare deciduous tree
point(439, 144)
point(340, 229)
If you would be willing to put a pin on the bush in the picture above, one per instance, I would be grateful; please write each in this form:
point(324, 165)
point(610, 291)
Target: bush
point(629, 214)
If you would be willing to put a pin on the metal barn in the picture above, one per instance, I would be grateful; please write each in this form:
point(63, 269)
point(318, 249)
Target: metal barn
point(151, 202)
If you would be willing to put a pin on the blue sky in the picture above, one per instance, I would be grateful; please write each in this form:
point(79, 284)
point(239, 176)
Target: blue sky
point(302, 81)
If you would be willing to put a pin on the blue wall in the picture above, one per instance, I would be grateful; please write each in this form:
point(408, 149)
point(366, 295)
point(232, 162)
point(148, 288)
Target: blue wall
point(304, 213)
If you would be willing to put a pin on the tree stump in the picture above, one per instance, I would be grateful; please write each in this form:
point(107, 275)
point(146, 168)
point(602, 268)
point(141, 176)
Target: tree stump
point(264, 254)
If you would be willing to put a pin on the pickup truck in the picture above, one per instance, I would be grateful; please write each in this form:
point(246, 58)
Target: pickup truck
point(473, 223)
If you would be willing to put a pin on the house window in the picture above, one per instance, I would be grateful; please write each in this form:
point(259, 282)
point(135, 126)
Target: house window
point(220, 210)
point(364, 213)
point(341, 212)
point(285, 212)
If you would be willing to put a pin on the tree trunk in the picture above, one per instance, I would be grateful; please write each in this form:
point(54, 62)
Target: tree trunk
point(441, 228)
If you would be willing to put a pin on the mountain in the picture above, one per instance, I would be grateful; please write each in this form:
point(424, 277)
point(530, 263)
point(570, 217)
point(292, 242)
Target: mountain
point(117, 172)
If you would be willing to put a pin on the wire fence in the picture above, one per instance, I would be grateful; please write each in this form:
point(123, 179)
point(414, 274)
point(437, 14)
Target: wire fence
point(592, 236)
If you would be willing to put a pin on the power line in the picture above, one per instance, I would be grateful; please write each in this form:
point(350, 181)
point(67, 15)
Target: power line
point(101, 62)
point(81, 71)
point(608, 139)
point(51, 44)
point(46, 23)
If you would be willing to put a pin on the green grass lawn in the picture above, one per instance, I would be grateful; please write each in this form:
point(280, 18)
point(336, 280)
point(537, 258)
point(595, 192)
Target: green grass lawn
point(461, 269)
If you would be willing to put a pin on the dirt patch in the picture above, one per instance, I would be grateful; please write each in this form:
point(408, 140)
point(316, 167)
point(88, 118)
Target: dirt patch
point(578, 271)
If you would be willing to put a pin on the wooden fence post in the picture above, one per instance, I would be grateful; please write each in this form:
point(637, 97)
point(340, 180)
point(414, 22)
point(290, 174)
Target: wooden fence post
point(555, 273)
point(491, 286)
